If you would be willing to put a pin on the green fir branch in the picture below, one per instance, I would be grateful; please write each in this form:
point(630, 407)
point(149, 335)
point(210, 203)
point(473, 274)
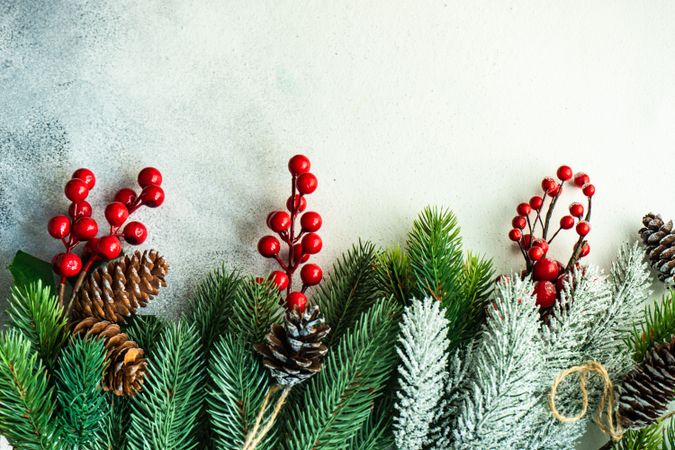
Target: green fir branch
point(145, 331)
point(478, 277)
point(119, 421)
point(658, 327)
point(394, 276)
point(375, 434)
point(254, 309)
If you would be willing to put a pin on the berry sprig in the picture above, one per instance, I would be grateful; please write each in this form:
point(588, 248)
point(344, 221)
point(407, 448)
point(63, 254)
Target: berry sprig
point(80, 227)
point(550, 274)
point(300, 245)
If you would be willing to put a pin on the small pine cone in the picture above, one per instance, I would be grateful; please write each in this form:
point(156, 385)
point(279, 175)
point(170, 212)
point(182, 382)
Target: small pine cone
point(293, 351)
point(126, 366)
point(659, 239)
point(647, 389)
point(116, 290)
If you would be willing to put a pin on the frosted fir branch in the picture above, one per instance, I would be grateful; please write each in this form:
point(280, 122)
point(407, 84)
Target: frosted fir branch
point(423, 346)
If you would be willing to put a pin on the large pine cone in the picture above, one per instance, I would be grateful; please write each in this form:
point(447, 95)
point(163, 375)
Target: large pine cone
point(116, 290)
point(126, 366)
point(294, 352)
point(659, 238)
point(649, 387)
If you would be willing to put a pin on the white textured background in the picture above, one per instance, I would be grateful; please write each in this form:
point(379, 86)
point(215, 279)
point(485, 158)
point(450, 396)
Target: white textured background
point(398, 103)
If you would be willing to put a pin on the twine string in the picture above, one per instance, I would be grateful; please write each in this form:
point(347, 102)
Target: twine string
point(257, 433)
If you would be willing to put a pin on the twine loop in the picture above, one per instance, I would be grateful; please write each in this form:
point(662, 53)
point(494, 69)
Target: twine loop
point(260, 428)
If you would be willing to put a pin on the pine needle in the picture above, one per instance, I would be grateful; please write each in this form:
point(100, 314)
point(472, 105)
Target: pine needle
point(255, 308)
point(394, 277)
point(659, 327)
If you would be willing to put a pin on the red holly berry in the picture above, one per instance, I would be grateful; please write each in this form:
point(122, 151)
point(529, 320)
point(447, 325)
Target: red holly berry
point(536, 202)
point(566, 222)
point(149, 177)
point(76, 190)
point(545, 270)
point(91, 247)
point(279, 221)
point(126, 196)
point(535, 253)
point(67, 264)
point(298, 165)
point(116, 214)
point(109, 247)
point(58, 227)
point(555, 190)
point(589, 190)
point(547, 184)
point(583, 228)
point(85, 228)
point(307, 183)
point(279, 278)
point(310, 221)
point(79, 209)
point(564, 173)
point(87, 176)
point(298, 255)
point(577, 209)
point(523, 209)
point(542, 244)
point(296, 300)
point(269, 246)
point(311, 244)
point(515, 234)
point(585, 250)
point(135, 233)
point(546, 293)
point(519, 222)
point(152, 196)
point(299, 204)
point(311, 274)
point(581, 178)
point(525, 241)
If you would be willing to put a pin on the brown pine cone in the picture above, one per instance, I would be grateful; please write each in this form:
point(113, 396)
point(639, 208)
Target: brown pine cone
point(659, 239)
point(126, 366)
point(116, 290)
point(294, 352)
point(647, 389)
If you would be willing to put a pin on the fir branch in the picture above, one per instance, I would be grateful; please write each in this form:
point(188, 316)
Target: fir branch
point(119, 421)
point(394, 276)
point(375, 434)
point(336, 402)
point(422, 349)
point(164, 414)
point(255, 308)
point(239, 384)
point(350, 289)
point(26, 399)
point(658, 327)
point(37, 314)
point(83, 407)
point(145, 331)
point(477, 280)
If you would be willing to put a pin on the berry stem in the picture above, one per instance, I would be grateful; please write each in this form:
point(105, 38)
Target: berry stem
point(78, 283)
point(62, 290)
point(291, 236)
point(549, 212)
point(554, 234)
point(580, 242)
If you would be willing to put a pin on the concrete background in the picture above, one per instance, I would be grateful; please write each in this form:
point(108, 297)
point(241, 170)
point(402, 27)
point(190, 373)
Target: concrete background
point(399, 105)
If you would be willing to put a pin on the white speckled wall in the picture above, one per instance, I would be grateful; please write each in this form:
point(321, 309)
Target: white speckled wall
point(398, 103)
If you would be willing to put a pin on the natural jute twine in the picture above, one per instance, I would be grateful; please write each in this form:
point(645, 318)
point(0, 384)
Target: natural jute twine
point(605, 418)
point(257, 433)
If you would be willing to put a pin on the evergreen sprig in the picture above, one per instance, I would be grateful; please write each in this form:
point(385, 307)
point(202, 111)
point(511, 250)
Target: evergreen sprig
point(375, 434)
point(659, 327)
point(394, 275)
point(656, 436)
point(255, 308)
point(336, 402)
point(145, 331)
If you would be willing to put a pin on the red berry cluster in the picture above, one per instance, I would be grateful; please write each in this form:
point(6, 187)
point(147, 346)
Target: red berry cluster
point(550, 274)
point(79, 226)
point(300, 245)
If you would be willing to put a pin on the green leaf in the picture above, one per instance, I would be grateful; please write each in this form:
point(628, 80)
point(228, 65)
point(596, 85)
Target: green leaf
point(27, 269)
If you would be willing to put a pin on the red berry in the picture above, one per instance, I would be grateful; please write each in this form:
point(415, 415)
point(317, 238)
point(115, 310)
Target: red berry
point(547, 184)
point(535, 253)
point(67, 264)
point(311, 244)
point(519, 222)
point(135, 233)
point(564, 173)
point(589, 190)
point(76, 190)
point(298, 165)
point(79, 209)
point(149, 177)
point(310, 221)
point(152, 196)
point(279, 221)
point(85, 228)
point(279, 278)
point(581, 178)
point(536, 202)
point(296, 300)
point(566, 222)
point(299, 204)
point(58, 227)
point(126, 196)
point(311, 274)
point(545, 270)
point(298, 255)
point(116, 214)
point(554, 191)
point(525, 241)
point(583, 228)
point(91, 247)
point(109, 247)
point(546, 294)
point(577, 209)
point(523, 209)
point(307, 183)
point(542, 244)
point(515, 234)
point(269, 246)
point(585, 250)
point(87, 176)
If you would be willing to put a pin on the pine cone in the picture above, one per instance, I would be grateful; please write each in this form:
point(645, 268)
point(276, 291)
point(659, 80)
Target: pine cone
point(647, 389)
point(116, 290)
point(659, 238)
point(126, 366)
point(294, 352)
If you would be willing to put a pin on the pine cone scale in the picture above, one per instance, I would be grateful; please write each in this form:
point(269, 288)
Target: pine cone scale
point(659, 240)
